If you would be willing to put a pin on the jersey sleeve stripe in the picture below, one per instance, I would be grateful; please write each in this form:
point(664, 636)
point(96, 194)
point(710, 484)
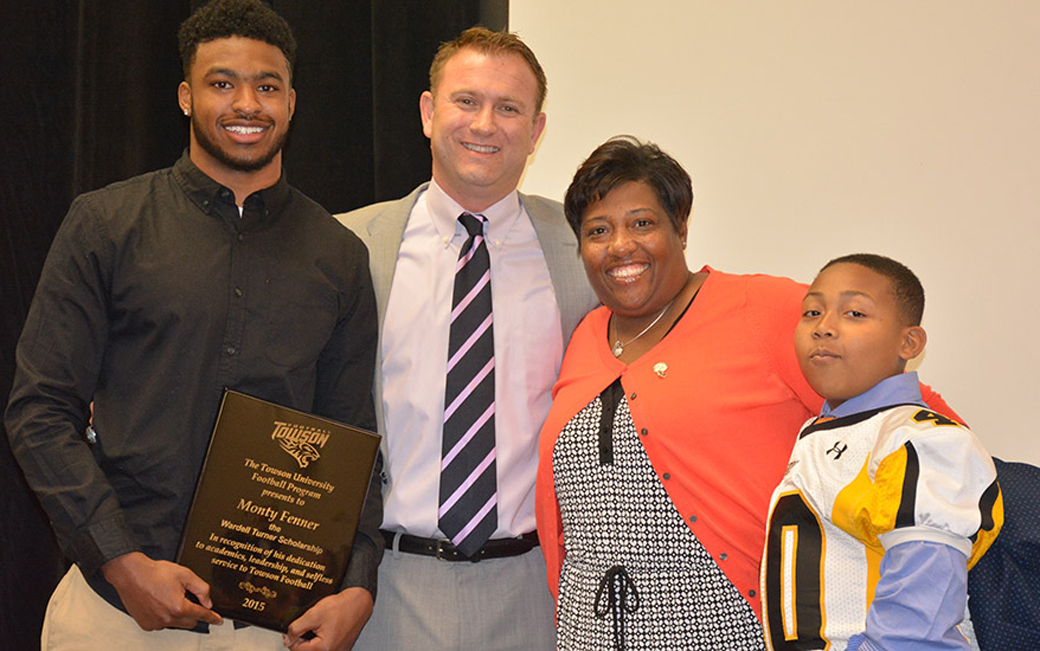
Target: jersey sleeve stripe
point(908, 502)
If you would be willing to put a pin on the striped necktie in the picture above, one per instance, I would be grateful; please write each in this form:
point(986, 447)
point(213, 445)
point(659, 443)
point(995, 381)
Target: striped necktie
point(468, 513)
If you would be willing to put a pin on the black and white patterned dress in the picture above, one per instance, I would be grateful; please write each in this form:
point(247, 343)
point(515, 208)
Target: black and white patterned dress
point(617, 513)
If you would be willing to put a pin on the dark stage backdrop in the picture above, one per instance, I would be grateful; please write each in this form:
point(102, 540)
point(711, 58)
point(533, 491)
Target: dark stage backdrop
point(90, 98)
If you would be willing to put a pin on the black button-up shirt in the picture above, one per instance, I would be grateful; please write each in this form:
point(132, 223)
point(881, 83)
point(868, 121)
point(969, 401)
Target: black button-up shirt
point(156, 295)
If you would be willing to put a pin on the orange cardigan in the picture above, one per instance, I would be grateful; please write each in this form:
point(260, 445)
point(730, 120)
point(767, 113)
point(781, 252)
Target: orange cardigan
point(718, 404)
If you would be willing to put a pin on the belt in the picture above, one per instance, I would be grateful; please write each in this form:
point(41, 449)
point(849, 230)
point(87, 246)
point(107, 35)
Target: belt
point(445, 551)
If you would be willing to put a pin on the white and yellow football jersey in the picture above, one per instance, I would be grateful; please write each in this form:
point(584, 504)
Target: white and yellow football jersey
point(856, 486)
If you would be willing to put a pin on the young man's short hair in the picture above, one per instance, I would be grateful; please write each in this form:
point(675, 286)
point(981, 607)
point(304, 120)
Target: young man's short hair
point(226, 18)
point(906, 287)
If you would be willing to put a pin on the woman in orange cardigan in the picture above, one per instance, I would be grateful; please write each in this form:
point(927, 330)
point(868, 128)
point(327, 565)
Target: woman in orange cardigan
point(676, 409)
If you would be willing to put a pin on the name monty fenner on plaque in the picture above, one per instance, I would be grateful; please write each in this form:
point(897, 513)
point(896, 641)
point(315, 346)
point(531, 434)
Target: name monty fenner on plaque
point(276, 508)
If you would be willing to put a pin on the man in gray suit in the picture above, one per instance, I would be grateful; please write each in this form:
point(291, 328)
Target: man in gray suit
point(483, 116)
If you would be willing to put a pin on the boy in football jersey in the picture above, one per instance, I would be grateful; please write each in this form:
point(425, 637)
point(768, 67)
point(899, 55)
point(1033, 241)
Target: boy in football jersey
point(885, 504)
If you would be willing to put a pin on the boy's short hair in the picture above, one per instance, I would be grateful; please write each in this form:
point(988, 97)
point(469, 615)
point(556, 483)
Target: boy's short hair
point(906, 288)
point(489, 43)
point(226, 18)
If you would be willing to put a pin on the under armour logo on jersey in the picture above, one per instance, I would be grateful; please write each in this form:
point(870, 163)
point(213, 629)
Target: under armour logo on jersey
point(838, 451)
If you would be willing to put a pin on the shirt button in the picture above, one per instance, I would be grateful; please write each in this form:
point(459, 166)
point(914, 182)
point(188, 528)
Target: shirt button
point(693, 518)
point(644, 431)
point(751, 593)
point(723, 556)
point(230, 350)
point(238, 292)
point(666, 475)
point(632, 397)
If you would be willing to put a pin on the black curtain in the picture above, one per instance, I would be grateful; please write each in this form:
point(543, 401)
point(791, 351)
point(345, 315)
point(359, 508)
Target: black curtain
point(90, 98)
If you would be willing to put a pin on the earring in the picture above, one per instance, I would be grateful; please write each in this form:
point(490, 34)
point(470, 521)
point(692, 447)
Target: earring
point(187, 112)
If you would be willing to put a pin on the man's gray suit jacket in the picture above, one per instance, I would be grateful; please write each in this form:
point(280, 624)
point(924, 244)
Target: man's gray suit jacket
point(381, 227)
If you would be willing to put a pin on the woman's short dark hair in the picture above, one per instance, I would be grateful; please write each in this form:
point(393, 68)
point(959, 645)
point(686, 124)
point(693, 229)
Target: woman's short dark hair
point(226, 18)
point(623, 159)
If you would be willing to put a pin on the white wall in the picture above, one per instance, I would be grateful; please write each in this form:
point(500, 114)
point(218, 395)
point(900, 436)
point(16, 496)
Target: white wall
point(816, 128)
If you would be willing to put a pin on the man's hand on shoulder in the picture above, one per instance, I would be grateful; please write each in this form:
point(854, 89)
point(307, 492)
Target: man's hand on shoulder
point(153, 592)
point(336, 622)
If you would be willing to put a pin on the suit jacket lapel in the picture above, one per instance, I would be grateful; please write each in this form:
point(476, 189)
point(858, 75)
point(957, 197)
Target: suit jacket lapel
point(573, 294)
point(384, 240)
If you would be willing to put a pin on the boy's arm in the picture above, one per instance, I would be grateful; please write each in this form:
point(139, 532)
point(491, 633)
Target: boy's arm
point(949, 511)
point(918, 602)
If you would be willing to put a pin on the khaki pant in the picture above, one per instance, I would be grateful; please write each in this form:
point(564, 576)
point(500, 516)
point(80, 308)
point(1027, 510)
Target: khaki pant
point(79, 620)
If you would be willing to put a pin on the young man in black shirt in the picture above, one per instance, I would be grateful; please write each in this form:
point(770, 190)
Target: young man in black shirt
point(158, 293)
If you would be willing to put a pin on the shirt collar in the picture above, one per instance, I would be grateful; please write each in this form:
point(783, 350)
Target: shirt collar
point(206, 193)
point(896, 390)
point(445, 211)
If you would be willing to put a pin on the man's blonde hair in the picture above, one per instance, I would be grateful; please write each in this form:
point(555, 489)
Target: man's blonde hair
point(488, 43)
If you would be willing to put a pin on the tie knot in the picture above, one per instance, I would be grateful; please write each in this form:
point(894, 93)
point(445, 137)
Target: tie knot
point(473, 224)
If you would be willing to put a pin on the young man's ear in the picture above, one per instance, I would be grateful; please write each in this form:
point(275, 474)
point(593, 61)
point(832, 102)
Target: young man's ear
point(914, 340)
point(184, 97)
